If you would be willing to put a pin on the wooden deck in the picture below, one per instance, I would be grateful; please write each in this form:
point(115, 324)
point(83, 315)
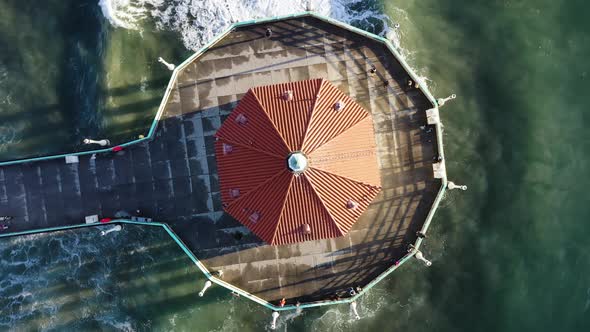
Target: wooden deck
point(173, 178)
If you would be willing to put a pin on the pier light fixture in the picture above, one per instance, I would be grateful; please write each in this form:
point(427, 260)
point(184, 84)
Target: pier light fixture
point(227, 148)
point(306, 229)
point(421, 257)
point(442, 101)
point(351, 205)
point(273, 324)
point(288, 95)
point(451, 185)
point(234, 193)
point(102, 142)
point(170, 66)
point(205, 287)
point(241, 119)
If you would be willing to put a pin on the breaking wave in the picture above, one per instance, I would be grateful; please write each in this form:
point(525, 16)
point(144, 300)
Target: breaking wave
point(198, 21)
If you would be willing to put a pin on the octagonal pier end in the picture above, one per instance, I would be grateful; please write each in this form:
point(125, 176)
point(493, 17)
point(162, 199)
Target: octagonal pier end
point(285, 231)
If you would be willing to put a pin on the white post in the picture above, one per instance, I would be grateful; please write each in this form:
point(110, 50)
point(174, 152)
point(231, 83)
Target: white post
point(207, 285)
point(273, 324)
point(451, 185)
point(355, 313)
point(102, 142)
point(116, 228)
point(442, 101)
point(168, 65)
point(420, 257)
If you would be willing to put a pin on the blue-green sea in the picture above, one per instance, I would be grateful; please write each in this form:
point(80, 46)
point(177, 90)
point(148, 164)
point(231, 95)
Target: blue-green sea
point(511, 254)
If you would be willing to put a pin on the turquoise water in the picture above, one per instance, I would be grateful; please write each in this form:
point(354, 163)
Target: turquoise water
point(510, 254)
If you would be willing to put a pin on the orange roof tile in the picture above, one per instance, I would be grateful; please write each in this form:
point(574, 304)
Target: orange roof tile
point(345, 154)
point(320, 199)
point(233, 165)
point(248, 125)
point(304, 206)
point(326, 123)
point(290, 117)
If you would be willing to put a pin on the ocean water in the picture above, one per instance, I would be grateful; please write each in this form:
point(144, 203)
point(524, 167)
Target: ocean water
point(67, 74)
point(510, 254)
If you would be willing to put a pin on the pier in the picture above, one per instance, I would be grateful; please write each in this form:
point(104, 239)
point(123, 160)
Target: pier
point(172, 177)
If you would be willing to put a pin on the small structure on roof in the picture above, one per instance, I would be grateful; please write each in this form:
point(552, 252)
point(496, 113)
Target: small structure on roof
point(302, 163)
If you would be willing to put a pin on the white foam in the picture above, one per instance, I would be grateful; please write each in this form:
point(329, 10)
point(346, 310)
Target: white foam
point(198, 21)
point(123, 13)
point(8, 136)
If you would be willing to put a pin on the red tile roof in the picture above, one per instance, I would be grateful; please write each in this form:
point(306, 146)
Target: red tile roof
point(291, 118)
point(342, 175)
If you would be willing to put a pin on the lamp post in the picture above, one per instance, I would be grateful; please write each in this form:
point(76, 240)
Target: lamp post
point(168, 65)
point(355, 313)
point(421, 257)
point(273, 324)
point(102, 142)
point(442, 101)
point(117, 228)
point(451, 185)
point(207, 285)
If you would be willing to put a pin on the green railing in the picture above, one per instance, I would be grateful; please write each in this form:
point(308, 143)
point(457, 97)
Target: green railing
point(175, 237)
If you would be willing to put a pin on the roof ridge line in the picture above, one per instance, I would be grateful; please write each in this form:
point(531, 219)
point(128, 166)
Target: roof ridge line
point(323, 204)
point(269, 119)
point(255, 188)
point(274, 234)
point(315, 102)
point(342, 133)
point(250, 147)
